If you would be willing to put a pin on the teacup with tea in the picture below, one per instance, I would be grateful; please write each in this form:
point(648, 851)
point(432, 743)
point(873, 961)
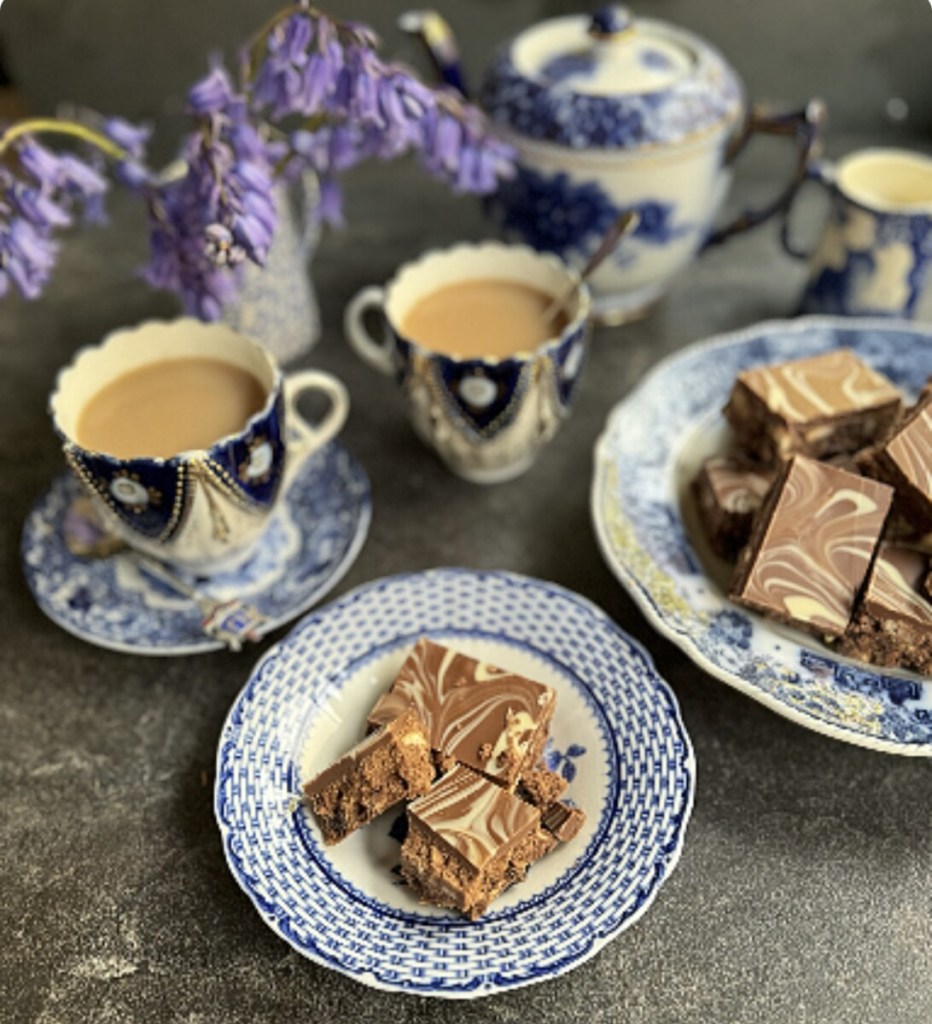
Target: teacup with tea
point(486, 359)
point(187, 435)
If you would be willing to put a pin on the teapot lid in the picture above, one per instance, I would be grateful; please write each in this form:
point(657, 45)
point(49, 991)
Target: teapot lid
point(609, 81)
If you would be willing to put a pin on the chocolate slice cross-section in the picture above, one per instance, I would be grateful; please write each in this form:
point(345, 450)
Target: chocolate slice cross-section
point(819, 406)
point(390, 765)
point(728, 492)
point(905, 461)
point(893, 623)
point(812, 546)
point(468, 840)
point(488, 718)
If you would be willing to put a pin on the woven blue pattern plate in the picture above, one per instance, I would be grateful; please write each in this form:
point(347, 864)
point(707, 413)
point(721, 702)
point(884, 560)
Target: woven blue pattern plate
point(616, 736)
point(312, 539)
point(651, 449)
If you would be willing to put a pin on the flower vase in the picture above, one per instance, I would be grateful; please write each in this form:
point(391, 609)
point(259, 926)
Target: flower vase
point(277, 304)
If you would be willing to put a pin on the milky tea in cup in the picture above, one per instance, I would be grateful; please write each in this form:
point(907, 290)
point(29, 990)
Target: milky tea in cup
point(186, 436)
point(482, 317)
point(167, 407)
point(487, 379)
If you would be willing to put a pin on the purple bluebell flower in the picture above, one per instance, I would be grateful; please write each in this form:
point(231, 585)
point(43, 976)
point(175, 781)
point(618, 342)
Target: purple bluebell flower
point(178, 260)
point(317, 79)
point(38, 195)
point(27, 249)
point(132, 171)
point(36, 206)
point(220, 247)
point(277, 86)
point(212, 94)
point(133, 138)
point(330, 205)
point(220, 211)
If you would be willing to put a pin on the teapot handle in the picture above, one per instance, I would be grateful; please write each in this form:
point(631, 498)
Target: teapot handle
point(437, 38)
point(805, 127)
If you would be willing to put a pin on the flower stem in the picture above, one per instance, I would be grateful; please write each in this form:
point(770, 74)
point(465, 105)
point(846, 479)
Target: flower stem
point(53, 126)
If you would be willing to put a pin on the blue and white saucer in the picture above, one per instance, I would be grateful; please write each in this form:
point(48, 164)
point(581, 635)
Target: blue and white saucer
point(653, 446)
point(617, 737)
point(311, 541)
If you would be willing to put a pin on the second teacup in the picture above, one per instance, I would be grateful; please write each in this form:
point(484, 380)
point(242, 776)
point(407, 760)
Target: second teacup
point(487, 382)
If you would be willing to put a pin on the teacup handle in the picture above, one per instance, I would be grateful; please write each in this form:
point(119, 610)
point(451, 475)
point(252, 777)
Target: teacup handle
point(805, 127)
point(376, 354)
point(822, 172)
point(305, 438)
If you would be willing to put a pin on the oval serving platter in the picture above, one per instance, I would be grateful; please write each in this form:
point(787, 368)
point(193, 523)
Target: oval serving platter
point(616, 736)
point(652, 446)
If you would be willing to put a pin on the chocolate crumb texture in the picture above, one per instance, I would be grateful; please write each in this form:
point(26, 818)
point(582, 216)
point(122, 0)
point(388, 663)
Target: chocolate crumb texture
point(540, 786)
point(390, 765)
point(893, 623)
point(728, 492)
point(468, 840)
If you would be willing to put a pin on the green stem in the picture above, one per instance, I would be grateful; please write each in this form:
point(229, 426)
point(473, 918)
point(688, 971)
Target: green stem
point(52, 126)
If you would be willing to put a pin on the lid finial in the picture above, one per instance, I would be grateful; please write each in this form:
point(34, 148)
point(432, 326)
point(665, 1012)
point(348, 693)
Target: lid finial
point(611, 21)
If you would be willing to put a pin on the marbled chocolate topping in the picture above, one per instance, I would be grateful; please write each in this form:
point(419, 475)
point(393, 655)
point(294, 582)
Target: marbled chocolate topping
point(404, 728)
point(738, 487)
point(476, 713)
point(910, 448)
point(892, 590)
point(816, 549)
point(821, 386)
point(475, 817)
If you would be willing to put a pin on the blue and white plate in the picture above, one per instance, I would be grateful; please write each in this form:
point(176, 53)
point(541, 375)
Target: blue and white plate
point(616, 736)
point(312, 539)
point(653, 446)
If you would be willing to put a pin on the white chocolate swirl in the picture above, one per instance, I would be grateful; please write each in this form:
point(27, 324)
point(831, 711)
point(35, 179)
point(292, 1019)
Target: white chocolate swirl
point(737, 488)
point(474, 816)
point(474, 712)
point(827, 385)
point(893, 588)
point(911, 450)
point(817, 547)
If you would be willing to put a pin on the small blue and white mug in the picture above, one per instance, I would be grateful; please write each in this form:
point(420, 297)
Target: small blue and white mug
point(874, 256)
point(203, 510)
point(486, 417)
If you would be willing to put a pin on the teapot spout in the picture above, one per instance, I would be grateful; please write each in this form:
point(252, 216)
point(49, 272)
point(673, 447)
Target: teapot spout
point(435, 33)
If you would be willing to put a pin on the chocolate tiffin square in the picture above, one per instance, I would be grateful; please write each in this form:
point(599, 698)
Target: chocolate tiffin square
point(812, 546)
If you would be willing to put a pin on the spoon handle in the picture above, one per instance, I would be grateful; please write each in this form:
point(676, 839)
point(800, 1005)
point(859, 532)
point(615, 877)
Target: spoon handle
point(624, 225)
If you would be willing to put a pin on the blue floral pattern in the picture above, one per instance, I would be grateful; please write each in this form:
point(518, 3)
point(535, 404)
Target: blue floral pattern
point(639, 459)
point(558, 214)
point(538, 107)
point(563, 761)
point(844, 287)
point(310, 542)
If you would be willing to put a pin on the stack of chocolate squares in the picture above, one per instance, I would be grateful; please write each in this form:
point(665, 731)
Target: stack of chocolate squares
point(827, 506)
point(462, 740)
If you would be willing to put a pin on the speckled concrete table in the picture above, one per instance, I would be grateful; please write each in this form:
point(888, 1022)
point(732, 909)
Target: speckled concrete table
point(804, 893)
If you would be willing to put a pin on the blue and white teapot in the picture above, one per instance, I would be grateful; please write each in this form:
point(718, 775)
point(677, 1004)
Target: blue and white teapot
point(609, 113)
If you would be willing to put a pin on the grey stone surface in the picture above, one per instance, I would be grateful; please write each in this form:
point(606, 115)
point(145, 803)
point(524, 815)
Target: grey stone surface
point(804, 893)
